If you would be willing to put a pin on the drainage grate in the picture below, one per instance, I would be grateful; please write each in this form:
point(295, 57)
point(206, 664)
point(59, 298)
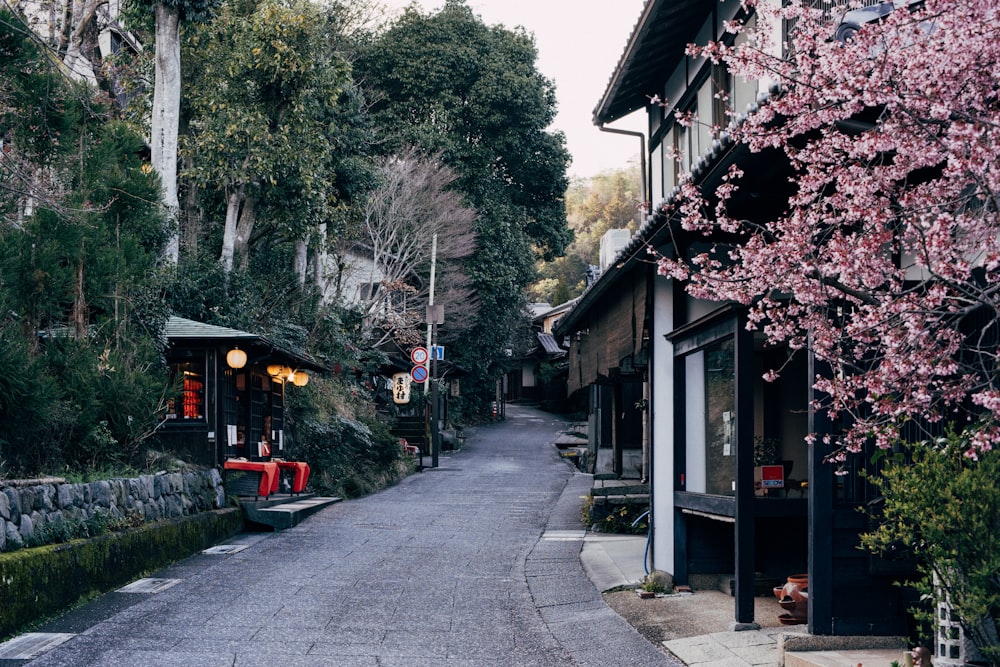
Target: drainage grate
point(564, 535)
point(149, 586)
point(224, 549)
point(32, 645)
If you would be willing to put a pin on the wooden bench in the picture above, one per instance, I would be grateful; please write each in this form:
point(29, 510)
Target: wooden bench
point(300, 474)
point(267, 471)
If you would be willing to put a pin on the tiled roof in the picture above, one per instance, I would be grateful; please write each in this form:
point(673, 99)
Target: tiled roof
point(549, 344)
point(182, 328)
point(179, 328)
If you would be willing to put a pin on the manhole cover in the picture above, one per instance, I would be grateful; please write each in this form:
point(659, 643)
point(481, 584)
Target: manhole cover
point(224, 549)
point(149, 586)
point(32, 645)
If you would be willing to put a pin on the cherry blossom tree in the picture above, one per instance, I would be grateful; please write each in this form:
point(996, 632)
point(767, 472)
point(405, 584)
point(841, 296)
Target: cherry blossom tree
point(886, 262)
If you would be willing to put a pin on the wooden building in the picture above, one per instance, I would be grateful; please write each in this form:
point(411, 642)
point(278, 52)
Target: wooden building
point(683, 377)
point(233, 387)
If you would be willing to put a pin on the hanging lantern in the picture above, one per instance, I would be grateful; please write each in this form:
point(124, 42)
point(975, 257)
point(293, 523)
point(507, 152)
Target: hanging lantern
point(300, 379)
point(236, 358)
point(274, 370)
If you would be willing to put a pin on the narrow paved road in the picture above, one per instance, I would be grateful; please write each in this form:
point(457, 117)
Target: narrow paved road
point(473, 563)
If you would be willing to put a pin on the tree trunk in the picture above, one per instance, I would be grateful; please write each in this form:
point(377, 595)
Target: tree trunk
point(80, 67)
point(166, 116)
point(244, 228)
point(301, 261)
point(320, 268)
point(233, 202)
point(79, 303)
point(190, 222)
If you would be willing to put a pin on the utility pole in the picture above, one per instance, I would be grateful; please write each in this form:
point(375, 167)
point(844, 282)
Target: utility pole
point(432, 375)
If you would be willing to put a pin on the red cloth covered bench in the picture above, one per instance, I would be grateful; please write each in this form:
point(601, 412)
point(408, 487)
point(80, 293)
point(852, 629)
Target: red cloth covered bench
point(268, 473)
point(301, 474)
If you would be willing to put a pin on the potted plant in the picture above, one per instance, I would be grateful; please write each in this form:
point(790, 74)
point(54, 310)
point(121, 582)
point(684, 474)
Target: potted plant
point(765, 451)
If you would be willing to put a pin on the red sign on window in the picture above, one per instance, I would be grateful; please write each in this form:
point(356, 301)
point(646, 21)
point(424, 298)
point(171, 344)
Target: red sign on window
point(772, 477)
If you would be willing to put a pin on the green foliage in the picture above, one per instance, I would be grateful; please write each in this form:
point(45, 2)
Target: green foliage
point(349, 456)
point(273, 118)
point(446, 82)
point(49, 579)
point(944, 508)
point(39, 111)
point(140, 12)
point(77, 275)
point(593, 206)
point(619, 519)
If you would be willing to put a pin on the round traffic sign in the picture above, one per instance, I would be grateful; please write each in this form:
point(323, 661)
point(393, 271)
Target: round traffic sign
point(419, 356)
point(419, 373)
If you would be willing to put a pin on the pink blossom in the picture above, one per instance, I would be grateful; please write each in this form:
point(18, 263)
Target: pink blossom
point(890, 245)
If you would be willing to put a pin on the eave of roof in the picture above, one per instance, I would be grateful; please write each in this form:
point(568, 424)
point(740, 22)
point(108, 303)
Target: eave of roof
point(550, 345)
point(657, 45)
point(183, 328)
point(180, 328)
point(561, 308)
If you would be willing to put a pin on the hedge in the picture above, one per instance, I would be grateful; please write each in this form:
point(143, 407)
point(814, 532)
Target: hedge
point(39, 582)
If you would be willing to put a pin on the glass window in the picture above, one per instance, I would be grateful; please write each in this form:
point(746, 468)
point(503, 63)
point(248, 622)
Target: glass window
point(189, 377)
point(710, 419)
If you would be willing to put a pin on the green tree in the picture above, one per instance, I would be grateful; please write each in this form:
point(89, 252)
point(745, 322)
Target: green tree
point(593, 206)
point(447, 83)
point(263, 87)
point(167, 18)
point(76, 267)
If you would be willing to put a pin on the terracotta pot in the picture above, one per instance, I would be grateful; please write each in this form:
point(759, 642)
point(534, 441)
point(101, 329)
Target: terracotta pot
point(793, 597)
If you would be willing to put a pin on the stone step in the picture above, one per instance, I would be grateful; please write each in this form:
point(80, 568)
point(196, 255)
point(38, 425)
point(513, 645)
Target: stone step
point(630, 499)
point(848, 658)
point(285, 512)
point(619, 488)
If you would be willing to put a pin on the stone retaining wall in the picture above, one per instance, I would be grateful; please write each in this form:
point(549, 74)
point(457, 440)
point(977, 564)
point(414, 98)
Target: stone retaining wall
point(26, 506)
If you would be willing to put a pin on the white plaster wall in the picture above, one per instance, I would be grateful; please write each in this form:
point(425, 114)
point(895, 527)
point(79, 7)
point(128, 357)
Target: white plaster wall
point(358, 271)
point(662, 432)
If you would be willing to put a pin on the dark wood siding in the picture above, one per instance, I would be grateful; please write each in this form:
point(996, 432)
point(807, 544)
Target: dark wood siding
point(612, 332)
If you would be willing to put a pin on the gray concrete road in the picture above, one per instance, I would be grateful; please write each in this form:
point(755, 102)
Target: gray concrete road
point(473, 563)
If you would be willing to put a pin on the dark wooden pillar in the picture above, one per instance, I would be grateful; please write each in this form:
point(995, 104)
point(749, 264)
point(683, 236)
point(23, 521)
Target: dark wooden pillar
point(820, 516)
point(744, 538)
point(680, 548)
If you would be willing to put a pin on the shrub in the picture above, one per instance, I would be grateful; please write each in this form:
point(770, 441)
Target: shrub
point(622, 519)
point(350, 455)
point(944, 508)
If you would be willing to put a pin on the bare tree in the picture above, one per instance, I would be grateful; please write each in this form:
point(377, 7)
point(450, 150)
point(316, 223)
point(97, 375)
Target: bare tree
point(410, 205)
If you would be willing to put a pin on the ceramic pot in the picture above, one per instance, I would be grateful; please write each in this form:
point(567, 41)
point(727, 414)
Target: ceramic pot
point(793, 597)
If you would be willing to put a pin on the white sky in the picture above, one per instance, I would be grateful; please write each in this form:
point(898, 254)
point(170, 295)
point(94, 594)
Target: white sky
point(579, 43)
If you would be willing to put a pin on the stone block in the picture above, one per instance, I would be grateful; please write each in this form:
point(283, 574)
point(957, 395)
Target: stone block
point(13, 535)
point(102, 494)
point(14, 500)
point(64, 495)
point(26, 526)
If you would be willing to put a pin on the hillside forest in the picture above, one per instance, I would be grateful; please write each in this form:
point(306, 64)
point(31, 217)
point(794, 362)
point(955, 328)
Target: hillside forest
point(302, 136)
